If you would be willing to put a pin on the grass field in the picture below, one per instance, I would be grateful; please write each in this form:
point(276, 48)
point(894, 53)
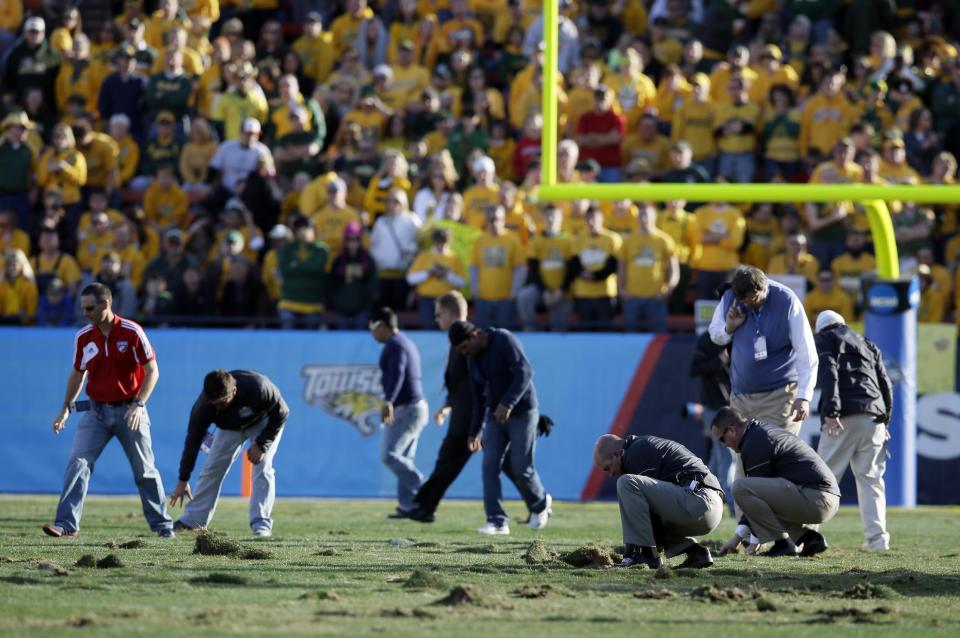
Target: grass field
point(340, 567)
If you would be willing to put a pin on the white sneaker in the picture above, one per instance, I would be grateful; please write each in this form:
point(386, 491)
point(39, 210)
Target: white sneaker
point(539, 521)
point(879, 544)
point(492, 529)
point(263, 532)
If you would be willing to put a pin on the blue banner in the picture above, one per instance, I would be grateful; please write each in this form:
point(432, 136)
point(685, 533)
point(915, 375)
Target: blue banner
point(331, 382)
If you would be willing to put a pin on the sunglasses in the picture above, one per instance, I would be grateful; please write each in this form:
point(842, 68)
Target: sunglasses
point(89, 308)
point(373, 325)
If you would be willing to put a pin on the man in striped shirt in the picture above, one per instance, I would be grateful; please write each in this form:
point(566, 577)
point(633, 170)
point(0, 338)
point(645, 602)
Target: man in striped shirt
point(116, 358)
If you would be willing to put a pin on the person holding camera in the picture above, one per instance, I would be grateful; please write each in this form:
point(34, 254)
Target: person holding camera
point(434, 273)
point(245, 406)
point(855, 407)
point(667, 496)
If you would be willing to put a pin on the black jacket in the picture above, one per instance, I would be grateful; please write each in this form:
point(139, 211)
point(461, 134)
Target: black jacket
point(501, 375)
point(456, 378)
point(714, 373)
point(665, 460)
point(256, 398)
point(769, 451)
point(852, 377)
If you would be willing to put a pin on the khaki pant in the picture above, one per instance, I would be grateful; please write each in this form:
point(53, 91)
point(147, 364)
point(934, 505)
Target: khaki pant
point(777, 508)
point(773, 407)
point(861, 446)
point(679, 513)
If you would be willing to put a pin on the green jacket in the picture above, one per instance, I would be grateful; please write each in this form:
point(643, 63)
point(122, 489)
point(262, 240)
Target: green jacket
point(169, 94)
point(303, 269)
point(17, 164)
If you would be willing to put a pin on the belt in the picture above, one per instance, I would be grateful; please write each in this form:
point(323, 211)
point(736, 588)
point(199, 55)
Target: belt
point(114, 404)
point(694, 482)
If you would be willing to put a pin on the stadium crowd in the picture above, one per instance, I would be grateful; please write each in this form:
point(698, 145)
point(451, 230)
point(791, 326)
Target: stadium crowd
point(264, 162)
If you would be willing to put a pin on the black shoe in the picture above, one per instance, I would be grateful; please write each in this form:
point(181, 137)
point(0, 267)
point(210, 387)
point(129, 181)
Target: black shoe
point(813, 543)
point(400, 514)
point(636, 555)
point(782, 547)
point(698, 557)
point(421, 515)
point(181, 527)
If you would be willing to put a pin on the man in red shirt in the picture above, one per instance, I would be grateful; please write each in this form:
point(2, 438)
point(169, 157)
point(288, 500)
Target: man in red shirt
point(122, 368)
point(599, 133)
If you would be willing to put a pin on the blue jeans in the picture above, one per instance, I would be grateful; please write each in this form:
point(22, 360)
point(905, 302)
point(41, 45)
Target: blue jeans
point(647, 313)
point(501, 314)
point(736, 167)
point(426, 309)
point(520, 433)
point(398, 447)
point(98, 426)
point(786, 170)
point(20, 204)
point(226, 447)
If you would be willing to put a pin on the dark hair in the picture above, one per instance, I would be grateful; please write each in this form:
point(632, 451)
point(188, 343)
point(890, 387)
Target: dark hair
point(727, 417)
point(454, 302)
point(98, 291)
point(386, 315)
point(460, 331)
point(748, 280)
point(218, 384)
point(786, 90)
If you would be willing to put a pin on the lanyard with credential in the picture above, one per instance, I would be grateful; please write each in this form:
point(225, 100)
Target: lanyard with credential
point(759, 341)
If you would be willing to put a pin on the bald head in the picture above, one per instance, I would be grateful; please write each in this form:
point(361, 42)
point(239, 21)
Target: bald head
point(607, 454)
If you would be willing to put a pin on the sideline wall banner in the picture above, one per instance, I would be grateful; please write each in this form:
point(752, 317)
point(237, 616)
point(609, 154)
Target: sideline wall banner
point(331, 381)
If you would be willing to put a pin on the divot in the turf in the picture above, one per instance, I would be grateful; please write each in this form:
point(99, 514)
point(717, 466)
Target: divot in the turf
point(422, 579)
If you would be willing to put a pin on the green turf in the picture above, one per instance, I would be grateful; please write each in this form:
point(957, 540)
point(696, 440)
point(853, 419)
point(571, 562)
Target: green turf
point(341, 568)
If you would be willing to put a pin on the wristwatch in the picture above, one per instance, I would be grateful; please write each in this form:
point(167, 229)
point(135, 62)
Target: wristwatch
point(140, 403)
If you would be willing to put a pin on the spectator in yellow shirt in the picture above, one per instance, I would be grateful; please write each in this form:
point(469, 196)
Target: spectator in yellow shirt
point(828, 296)
point(280, 235)
point(433, 273)
point(893, 165)
point(826, 116)
point(737, 127)
point(461, 30)
point(718, 230)
point(647, 143)
point(315, 49)
point(547, 257)
point(165, 203)
point(676, 222)
point(98, 241)
point(51, 263)
point(18, 276)
point(128, 151)
point(649, 272)
point(497, 272)
point(393, 173)
point(195, 157)
point(734, 67)
point(931, 309)
point(78, 76)
point(483, 194)
point(10, 235)
point(11, 18)
point(796, 260)
point(694, 122)
point(345, 27)
point(132, 260)
point(763, 233)
point(593, 272)
point(100, 152)
point(334, 217)
point(63, 166)
point(167, 16)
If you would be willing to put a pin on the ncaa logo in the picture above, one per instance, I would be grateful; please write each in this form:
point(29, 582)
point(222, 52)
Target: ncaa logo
point(883, 299)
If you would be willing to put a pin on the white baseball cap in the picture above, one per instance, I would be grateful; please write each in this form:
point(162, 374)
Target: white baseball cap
point(251, 125)
point(35, 24)
point(484, 164)
point(828, 318)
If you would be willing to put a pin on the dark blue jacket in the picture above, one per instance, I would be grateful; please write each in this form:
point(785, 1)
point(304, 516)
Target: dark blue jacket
point(768, 451)
point(400, 368)
point(501, 375)
point(124, 95)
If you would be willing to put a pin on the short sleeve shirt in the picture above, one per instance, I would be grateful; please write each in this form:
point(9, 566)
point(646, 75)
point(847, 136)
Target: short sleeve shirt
point(114, 362)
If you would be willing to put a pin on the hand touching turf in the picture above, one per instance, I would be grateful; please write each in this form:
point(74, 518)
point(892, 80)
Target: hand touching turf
point(179, 492)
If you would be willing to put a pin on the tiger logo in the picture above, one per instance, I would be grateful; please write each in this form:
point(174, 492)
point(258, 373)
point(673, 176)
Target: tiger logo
point(351, 393)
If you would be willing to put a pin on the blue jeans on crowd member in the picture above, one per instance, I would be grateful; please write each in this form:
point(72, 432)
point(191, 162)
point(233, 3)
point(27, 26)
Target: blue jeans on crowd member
point(786, 170)
point(520, 433)
point(398, 447)
point(98, 426)
point(426, 309)
point(610, 174)
point(736, 167)
point(227, 446)
point(501, 314)
point(358, 321)
point(645, 314)
point(19, 203)
point(721, 462)
point(290, 320)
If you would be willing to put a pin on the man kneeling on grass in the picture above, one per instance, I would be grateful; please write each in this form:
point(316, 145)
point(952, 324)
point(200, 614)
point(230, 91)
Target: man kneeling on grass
point(243, 405)
point(788, 490)
point(667, 496)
